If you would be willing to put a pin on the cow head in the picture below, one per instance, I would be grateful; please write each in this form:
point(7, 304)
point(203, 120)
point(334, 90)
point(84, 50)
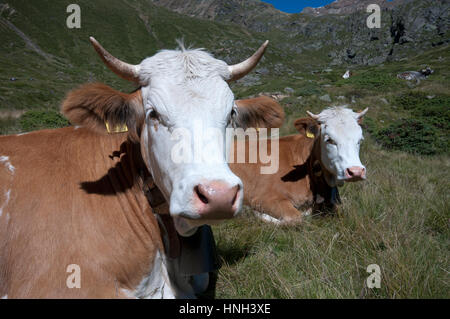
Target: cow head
point(183, 94)
point(338, 134)
point(427, 71)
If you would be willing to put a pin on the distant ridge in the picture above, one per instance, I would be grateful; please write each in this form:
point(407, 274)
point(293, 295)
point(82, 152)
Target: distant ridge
point(346, 7)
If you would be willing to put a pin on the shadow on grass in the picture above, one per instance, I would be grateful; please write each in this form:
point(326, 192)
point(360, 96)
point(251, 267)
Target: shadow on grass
point(231, 254)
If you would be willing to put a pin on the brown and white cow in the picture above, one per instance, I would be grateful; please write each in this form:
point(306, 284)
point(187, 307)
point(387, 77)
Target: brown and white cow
point(74, 218)
point(312, 164)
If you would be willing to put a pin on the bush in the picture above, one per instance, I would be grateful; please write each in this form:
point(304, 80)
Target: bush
point(435, 111)
point(414, 136)
point(372, 80)
point(426, 131)
point(36, 120)
point(308, 90)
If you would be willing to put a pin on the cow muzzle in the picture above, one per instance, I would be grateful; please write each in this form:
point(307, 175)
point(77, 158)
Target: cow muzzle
point(217, 200)
point(355, 174)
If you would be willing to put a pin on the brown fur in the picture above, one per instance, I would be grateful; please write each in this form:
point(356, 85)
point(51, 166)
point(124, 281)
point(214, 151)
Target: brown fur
point(76, 198)
point(93, 104)
point(296, 184)
point(259, 112)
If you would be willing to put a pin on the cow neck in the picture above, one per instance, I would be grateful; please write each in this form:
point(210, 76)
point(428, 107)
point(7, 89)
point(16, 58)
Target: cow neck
point(136, 167)
point(160, 208)
point(195, 254)
point(129, 176)
point(325, 196)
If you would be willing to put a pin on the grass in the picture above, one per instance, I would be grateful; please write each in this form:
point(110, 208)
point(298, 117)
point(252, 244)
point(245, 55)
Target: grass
point(39, 119)
point(398, 219)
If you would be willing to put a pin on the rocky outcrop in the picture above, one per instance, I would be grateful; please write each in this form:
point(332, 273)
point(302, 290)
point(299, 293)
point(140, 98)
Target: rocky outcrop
point(339, 28)
point(345, 7)
point(253, 14)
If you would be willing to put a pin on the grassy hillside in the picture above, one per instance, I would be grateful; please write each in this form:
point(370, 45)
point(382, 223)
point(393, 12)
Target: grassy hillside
point(39, 78)
point(398, 219)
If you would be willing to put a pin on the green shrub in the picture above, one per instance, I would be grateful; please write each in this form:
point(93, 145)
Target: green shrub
point(410, 100)
point(309, 89)
point(414, 136)
point(36, 120)
point(435, 111)
point(427, 129)
point(372, 80)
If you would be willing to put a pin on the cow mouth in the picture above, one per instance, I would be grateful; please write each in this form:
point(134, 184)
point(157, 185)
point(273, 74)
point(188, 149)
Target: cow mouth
point(217, 216)
point(355, 179)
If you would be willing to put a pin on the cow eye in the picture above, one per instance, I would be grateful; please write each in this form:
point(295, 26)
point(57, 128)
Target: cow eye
point(233, 112)
point(153, 115)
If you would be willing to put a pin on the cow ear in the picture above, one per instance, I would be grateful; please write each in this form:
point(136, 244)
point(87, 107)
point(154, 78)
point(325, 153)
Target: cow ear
point(100, 108)
point(258, 112)
point(308, 127)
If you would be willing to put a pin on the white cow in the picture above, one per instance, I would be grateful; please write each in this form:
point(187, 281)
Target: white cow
point(75, 221)
point(340, 137)
point(188, 90)
point(347, 74)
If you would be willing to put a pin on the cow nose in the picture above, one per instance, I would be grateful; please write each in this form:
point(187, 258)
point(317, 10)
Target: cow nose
point(216, 200)
point(355, 173)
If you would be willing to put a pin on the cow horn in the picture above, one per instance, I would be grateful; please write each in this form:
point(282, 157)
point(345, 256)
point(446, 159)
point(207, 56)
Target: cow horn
point(126, 71)
point(241, 69)
point(313, 116)
point(362, 113)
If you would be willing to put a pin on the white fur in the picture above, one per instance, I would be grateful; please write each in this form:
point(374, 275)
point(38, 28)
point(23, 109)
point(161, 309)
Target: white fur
point(267, 218)
point(7, 163)
point(7, 197)
point(307, 212)
point(188, 91)
point(340, 125)
point(166, 281)
point(157, 284)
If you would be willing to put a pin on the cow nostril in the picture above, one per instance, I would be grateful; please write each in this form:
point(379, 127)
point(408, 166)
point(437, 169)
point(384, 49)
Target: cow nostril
point(355, 173)
point(238, 187)
point(216, 199)
point(200, 195)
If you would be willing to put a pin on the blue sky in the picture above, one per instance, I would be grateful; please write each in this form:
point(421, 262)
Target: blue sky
point(295, 6)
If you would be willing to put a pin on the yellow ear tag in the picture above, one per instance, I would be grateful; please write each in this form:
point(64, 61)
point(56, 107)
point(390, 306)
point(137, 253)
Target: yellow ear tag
point(309, 134)
point(116, 129)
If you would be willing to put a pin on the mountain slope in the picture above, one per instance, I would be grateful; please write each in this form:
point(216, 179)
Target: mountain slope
point(351, 6)
point(41, 59)
point(340, 28)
